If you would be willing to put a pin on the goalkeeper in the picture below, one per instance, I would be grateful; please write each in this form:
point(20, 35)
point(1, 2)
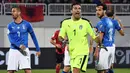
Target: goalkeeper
point(77, 30)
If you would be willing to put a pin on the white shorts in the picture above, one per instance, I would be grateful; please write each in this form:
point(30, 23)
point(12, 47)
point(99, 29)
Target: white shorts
point(113, 53)
point(16, 60)
point(105, 58)
point(66, 58)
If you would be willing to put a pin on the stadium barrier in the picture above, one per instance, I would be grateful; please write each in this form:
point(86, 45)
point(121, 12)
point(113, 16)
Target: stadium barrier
point(64, 9)
point(47, 58)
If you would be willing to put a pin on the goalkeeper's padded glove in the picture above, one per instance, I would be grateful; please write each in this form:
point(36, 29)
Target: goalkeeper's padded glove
point(23, 52)
point(64, 42)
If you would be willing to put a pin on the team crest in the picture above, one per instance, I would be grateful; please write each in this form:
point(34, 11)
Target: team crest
point(80, 27)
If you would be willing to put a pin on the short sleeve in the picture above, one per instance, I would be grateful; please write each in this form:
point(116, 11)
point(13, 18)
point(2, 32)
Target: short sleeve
point(102, 28)
point(54, 36)
point(98, 26)
point(117, 26)
point(90, 30)
point(8, 29)
point(63, 30)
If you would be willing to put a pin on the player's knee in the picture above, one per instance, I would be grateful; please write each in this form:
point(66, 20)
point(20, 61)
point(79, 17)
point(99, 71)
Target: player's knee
point(27, 70)
point(59, 64)
point(102, 71)
point(10, 71)
point(111, 66)
point(66, 69)
point(76, 70)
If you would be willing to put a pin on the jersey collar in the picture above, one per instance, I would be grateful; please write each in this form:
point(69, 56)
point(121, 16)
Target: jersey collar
point(18, 23)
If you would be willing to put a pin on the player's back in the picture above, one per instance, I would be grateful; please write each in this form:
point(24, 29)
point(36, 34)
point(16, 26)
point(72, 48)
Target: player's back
point(108, 29)
point(116, 27)
point(18, 33)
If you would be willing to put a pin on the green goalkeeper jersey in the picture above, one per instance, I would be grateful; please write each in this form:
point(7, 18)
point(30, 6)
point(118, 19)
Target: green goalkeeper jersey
point(77, 32)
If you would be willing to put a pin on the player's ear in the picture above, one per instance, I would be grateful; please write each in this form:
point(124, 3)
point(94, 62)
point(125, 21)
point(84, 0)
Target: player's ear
point(104, 11)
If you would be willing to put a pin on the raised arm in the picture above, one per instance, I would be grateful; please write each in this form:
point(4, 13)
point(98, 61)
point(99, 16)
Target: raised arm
point(120, 27)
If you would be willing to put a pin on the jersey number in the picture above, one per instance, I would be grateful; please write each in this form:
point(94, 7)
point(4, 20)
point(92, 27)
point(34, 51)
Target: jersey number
point(18, 33)
point(74, 32)
point(110, 34)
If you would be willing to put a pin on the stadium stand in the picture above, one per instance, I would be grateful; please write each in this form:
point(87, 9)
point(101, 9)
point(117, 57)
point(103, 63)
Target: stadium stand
point(68, 1)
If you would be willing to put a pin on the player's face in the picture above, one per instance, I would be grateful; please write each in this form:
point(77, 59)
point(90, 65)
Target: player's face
point(15, 13)
point(99, 11)
point(76, 11)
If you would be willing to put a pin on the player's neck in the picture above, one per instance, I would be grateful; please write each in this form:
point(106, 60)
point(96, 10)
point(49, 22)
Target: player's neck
point(74, 19)
point(18, 20)
point(102, 17)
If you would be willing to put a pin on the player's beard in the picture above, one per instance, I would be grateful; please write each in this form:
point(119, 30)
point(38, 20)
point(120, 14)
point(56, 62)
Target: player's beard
point(77, 16)
point(101, 16)
point(15, 17)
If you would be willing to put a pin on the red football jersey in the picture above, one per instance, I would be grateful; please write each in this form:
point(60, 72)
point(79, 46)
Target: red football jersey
point(55, 37)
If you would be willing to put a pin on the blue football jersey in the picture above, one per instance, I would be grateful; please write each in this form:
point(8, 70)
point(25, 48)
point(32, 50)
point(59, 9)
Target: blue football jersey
point(98, 26)
point(108, 27)
point(18, 34)
point(116, 27)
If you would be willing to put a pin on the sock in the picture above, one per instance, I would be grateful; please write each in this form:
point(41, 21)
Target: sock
point(110, 71)
point(57, 69)
point(64, 72)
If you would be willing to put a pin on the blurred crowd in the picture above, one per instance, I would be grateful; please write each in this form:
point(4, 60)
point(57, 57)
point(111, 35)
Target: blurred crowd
point(66, 1)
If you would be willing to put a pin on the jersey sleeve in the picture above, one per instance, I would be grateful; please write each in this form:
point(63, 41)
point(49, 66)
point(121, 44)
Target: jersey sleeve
point(102, 28)
point(30, 28)
point(63, 30)
point(33, 36)
point(11, 37)
point(90, 30)
point(117, 26)
point(98, 26)
point(54, 36)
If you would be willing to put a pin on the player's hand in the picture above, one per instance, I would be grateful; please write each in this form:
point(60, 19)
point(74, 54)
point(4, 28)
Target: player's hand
point(22, 47)
point(38, 54)
point(58, 46)
point(67, 47)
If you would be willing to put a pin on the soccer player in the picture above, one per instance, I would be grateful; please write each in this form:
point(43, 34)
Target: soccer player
point(119, 26)
point(59, 50)
point(106, 29)
point(19, 56)
point(77, 29)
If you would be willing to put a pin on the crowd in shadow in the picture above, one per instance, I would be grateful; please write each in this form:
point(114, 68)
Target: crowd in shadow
point(67, 1)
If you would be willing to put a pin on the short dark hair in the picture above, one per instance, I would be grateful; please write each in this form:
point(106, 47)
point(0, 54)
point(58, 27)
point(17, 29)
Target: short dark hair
point(61, 24)
point(103, 5)
point(17, 7)
point(110, 13)
point(75, 3)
